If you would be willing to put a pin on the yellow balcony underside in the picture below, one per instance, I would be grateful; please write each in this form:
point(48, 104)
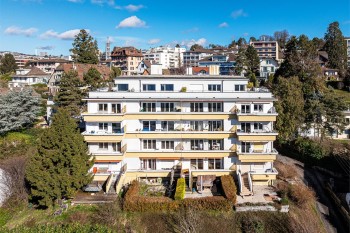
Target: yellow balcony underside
point(256, 138)
point(216, 173)
point(180, 134)
point(178, 155)
point(131, 175)
point(177, 116)
point(108, 158)
point(257, 177)
point(103, 118)
point(256, 118)
point(103, 138)
point(256, 158)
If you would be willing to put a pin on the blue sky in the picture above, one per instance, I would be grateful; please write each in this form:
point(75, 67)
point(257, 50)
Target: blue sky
point(50, 25)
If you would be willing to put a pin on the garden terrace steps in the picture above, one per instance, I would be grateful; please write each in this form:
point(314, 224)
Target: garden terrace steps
point(245, 186)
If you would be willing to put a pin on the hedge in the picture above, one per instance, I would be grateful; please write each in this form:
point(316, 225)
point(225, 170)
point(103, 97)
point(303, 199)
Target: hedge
point(134, 202)
point(229, 188)
point(180, 189)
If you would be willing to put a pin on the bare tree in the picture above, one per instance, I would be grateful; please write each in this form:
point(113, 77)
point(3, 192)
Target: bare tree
point(187, 221)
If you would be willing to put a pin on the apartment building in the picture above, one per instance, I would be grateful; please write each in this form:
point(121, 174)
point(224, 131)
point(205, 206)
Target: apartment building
point(27, 77)
point(48, 65)
point(226, 63)
point(127, 58)
point(210, 125)
point(268, 66)
point(191, 58)
point(347, 40)
point(166, 56)
point(267, 49)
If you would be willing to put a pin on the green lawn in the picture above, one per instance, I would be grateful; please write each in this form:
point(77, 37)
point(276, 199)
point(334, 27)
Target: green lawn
point(344, 94)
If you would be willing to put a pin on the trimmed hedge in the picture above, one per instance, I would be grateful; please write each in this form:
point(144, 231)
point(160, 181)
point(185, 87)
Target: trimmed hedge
point(134, 202)
point(229, 188)
point(180, 189)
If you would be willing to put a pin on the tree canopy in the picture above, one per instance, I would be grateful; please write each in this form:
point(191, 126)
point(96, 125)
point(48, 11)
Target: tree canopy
point(196, 47)
point(8, 64)
point(252, 60)
point(93, 78)
point(61, 165)
point(18, 110)
point(85, 48)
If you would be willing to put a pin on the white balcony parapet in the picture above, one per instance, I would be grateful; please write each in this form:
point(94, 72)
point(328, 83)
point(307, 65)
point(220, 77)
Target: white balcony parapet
point(273, 151)
point(102, 132)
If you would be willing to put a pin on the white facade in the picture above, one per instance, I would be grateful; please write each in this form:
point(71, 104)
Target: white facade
point(155, 122)
point(24, 77)
point(268, 66)
point(166, 56)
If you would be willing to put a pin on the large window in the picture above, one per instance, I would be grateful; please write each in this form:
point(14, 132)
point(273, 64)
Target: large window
point(103, 126)
point(168, 145)
point(148, 164)
point(167, 87)
point(197, 163)
point(116, 146)
point(122, 87)
point(215, 125)
point(245, 108)
point(102, 107)
point(167, 107)
point(215, 163)
point(239, 87)
point(258, 126)
point(148, 107)
point(196, 125)
point(116, 108)
point(258, 107)
point(196, 107)
point(214, 87)
point(149, 144)
point(216, 144)
point(103, 146)
point(116, 128)
point(197, 144)
point(149, 87)
point(215, 107)
point(245, 127)
point(246, 147)
point(167, 125)
point(149, 125)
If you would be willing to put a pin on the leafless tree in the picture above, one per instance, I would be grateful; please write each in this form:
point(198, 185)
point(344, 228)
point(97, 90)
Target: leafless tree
point(187, 221)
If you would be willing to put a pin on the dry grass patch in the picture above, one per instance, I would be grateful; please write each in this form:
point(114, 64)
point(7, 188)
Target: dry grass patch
point(285, 171)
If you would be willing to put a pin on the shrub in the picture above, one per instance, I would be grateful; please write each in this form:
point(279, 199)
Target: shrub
point(180, 189)
point(206, 203)
point(183, 89)
point(301, 194)
point(285, 171)
point(229, 188)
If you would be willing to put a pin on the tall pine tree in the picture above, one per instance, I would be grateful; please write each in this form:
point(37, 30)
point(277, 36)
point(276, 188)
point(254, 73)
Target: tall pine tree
point(61, 164)
point(8, 64)
point(94, 79)
point(252, 60)
point(85, 48)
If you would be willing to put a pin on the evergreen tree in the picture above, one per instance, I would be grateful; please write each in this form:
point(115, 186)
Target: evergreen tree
point(240, 61)
point(252, 60)
point(335, 46)
point(18, 110)
point(196, 47)
point(60, 167)
point(70, 95)
point(115, 72)
point(85, 48)
point(93, 78)
point(8, 64)
point(241, 42)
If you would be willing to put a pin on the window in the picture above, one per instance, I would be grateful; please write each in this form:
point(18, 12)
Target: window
point(197, 163)
point(167, 87)
point(239, 87)
point(258, 126)
point(245, 108)
point(131, 63)
point(116, 128)
point(272, 69)
point(196, 107)
point(268, 62)
point(215, 163)
point(149, 126)
point(245, 127)
point(215, 125)
point(168, 145)
point(102, 107)
point(149, 87)
point(258, 107)
point(214, 87)
point(148, 107)
point(167, 107)
point(196, 125)
point(246, 147)
point(216, 144)
point(103, 126)
point(148, 164)
point(168, 125)
point(215, 107)
point(116, 147)
point(122, 87)
point(116, 108)
point(197, 144)
point(149, 144)
point(103, 146)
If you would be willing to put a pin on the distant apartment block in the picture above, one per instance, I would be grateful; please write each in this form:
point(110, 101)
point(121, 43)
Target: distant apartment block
point(226, 63)
point(29, 76)
point(268, 66)
point(191, 58)
point(48, 65)
point(127, 59)
point(347, 39)
point(166, 56)
point(207, 125)
point(267, 49)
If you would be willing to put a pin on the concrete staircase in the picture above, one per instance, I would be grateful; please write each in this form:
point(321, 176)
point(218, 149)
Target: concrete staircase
point(245, 186)
point(111, 184)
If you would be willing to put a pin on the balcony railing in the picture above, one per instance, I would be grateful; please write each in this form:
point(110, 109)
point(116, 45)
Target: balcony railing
point(252, 151)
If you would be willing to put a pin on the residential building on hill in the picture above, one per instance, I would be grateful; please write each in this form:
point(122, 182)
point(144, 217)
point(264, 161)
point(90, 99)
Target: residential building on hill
point(127, 59)
point(166, 56)
point(347, 39)
point(30, 76)
point(191, 58)
point(204, 125)
point(267, 49)
point(48, 65)
point(268, 66)
point(226, 63)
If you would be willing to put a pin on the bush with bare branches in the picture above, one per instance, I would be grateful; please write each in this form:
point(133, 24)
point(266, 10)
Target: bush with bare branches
point(285, 171)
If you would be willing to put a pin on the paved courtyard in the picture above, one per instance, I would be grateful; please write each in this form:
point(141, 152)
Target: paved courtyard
point(258, 196)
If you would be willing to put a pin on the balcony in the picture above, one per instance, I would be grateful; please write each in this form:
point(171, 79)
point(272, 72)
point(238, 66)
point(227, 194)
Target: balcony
point(104, 136)
point(257, 155)
point(270, 115)
point(263, 175)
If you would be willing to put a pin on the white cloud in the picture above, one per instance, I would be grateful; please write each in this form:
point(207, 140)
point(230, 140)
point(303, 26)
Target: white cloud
point(67, 35)
point(132, 22)
point(189, 43)
point(223, 25)
point(238, 13)
point(13, 30)
point(101, 2)
point(153, 41)
point(47, 47)
point(133, 8)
